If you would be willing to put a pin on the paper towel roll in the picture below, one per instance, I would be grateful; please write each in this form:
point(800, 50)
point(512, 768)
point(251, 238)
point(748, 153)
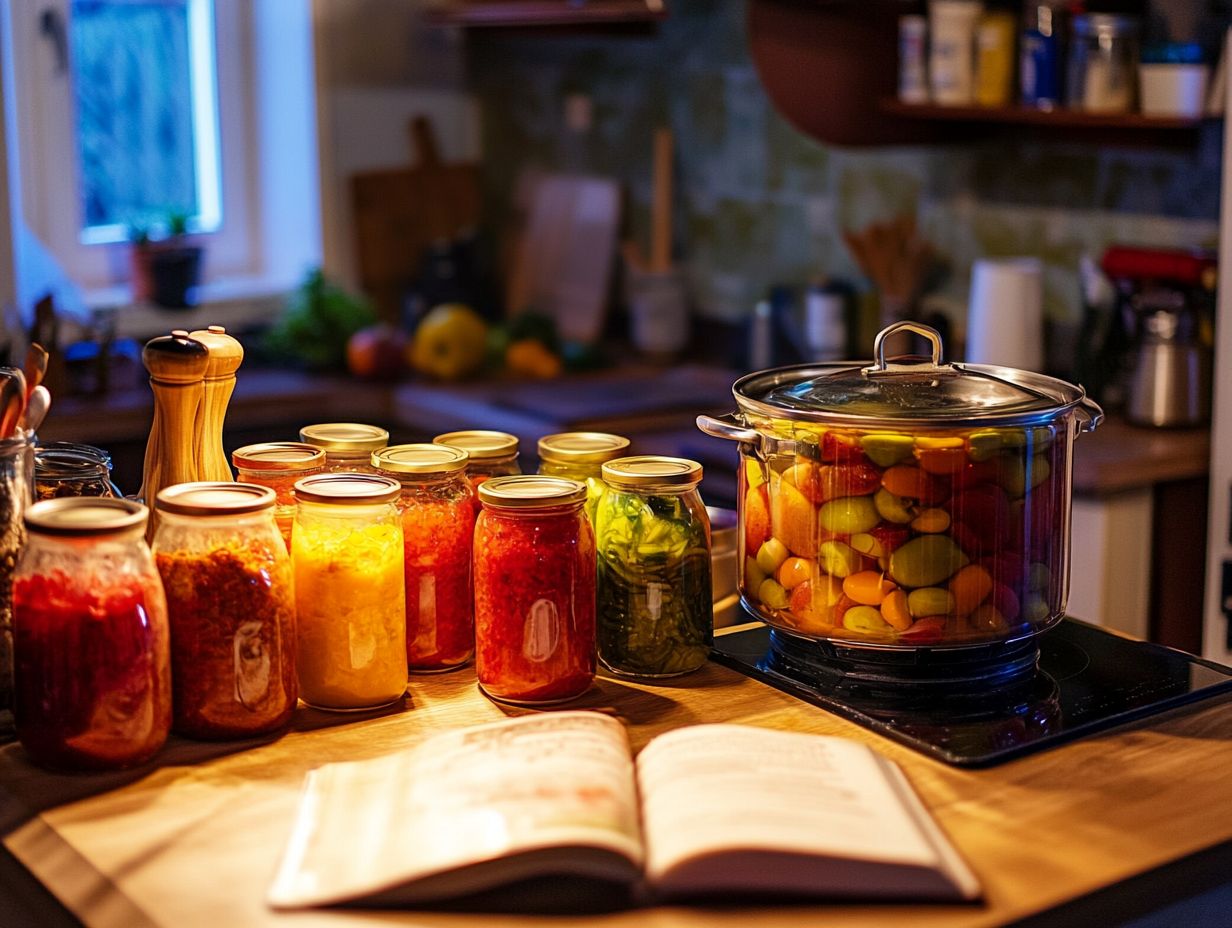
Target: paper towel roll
point(1005, 315)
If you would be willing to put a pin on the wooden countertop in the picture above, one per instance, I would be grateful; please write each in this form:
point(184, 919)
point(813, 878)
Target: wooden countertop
point(194, 839)
point(643, 400)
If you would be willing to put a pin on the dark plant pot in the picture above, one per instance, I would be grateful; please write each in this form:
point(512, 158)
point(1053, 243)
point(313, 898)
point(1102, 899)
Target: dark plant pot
point(175, 274)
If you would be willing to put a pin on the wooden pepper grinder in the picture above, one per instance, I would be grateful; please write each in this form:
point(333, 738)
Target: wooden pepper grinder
point(226, 355)
point(177, 366)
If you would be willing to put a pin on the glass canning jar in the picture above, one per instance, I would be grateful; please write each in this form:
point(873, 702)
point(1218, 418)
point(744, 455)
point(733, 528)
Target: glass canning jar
point(16, 492)
point(66, 468)
point(654, 599)
point(580, 456)
point(277, 465)
point(227, 577)
point(348, 446)
point(534, 590)
point(91, 639)
point(492, 454)
point(438, 528)
point(350, 599)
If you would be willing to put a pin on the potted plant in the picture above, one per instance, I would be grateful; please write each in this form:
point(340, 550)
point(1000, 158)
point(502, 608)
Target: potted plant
point(165, 270)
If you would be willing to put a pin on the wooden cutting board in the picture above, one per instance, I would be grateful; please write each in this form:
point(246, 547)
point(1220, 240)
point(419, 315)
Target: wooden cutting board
point(397, 212)
point(564, 256)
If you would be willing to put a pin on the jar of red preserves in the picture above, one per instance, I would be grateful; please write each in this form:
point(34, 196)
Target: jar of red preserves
point(438, 528)
point(348, 446)
point(534, 590)
point(91, 641)
point(492, 454)
point(227, 576)
point(277, 465)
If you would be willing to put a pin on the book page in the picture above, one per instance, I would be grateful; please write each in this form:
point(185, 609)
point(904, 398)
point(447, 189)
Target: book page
point(461, 798)
point(714, 787)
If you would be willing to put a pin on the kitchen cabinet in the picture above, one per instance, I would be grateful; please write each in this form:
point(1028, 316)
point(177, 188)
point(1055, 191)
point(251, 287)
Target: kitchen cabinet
point(193, 839)
point(831, 69)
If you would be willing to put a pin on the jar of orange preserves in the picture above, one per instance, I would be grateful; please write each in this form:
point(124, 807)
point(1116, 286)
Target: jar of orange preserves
point(350, 601)
point(491, 454)
point(534, 590)
point(438, 527)
point(348, 446)
point(277, 465)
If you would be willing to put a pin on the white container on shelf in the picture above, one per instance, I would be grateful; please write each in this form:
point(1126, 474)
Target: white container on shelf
point(1173, 89)
point(951, 58)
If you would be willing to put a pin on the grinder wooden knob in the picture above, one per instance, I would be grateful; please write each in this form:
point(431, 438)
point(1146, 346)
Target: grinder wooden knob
point(226, 355)
point(177, 367)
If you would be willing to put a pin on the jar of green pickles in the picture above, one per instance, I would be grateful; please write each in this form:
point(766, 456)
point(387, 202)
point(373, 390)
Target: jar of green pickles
point(580, 456)
point(653, 593)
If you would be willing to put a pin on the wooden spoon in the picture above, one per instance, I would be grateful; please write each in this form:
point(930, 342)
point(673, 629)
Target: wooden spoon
point(12, 400)
point(36, 408)
point(35, 367)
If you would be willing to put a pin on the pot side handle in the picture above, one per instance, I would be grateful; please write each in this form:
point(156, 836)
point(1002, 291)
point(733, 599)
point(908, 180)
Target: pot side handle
point(728, 427)
point(1090, 413)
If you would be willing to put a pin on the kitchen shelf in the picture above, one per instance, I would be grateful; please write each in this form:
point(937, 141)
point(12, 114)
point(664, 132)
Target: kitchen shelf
point(534, 13)
point(1027, 116)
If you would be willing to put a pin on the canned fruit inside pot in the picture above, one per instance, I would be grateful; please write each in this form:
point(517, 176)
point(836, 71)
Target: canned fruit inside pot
point(943, 538)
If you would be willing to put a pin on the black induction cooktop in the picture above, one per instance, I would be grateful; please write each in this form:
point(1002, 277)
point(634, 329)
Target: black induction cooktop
point(1085, 680)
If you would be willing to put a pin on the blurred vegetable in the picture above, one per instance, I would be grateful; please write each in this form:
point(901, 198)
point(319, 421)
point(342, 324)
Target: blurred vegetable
point(528, 357)
point(319, 320)
point(450, 342)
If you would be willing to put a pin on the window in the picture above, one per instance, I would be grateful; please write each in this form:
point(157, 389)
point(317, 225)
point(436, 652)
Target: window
point(144, 84)
point(132, 112)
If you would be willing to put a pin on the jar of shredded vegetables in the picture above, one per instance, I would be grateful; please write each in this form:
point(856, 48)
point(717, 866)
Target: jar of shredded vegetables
point(654, 598)
point(348, 446)
point(277, 465)
point(91, 641)
point(350, 598)
point(580, 456)
point(534, 590)
point(227, 576)
point(438, 528)
point(491, 454)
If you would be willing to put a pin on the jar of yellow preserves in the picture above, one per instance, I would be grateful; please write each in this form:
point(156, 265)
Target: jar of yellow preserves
point(350, 596)
point(348, 446)
point(580, 456)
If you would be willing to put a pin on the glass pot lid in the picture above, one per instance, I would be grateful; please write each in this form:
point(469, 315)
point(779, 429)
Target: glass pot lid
point(908, 391)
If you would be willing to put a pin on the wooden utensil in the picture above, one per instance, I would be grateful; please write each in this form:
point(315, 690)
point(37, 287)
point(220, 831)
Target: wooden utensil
point(398, 212)
point(12, 400)
point(226, 355)
point(661, 207)
point(35, 367)
point(37, 406)
point(177, 367)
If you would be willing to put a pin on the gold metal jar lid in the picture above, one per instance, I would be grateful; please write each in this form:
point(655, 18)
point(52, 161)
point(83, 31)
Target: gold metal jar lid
point(82, 516)
point(345, 438)
point(581, 447)
point(651, 470)
point(481, 444)
point(531, 491)
point(285, 456)
point(420, 459)
point(214, 498)
point(347, 489)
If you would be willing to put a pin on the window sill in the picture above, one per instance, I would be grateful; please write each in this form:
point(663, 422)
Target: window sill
point(236, 304)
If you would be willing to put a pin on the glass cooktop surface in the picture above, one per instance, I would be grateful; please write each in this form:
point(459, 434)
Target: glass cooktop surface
point(1086, 680)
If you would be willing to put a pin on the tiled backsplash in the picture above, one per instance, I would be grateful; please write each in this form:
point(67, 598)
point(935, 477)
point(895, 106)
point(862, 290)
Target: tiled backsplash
point(758, 203)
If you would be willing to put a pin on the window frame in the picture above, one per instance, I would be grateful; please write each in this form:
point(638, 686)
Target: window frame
point(49, 152)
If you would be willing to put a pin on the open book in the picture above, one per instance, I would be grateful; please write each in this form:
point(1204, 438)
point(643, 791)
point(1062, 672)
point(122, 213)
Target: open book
point(704, 810)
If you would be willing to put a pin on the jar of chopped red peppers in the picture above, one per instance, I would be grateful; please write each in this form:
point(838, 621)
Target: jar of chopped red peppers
point(227, 576)
point(492, 454)
point(581, 456)
point(438, 528)
point(91, 640)
point(277, 465)
point(348, 446)
point(350, 594)
point(534, 590)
